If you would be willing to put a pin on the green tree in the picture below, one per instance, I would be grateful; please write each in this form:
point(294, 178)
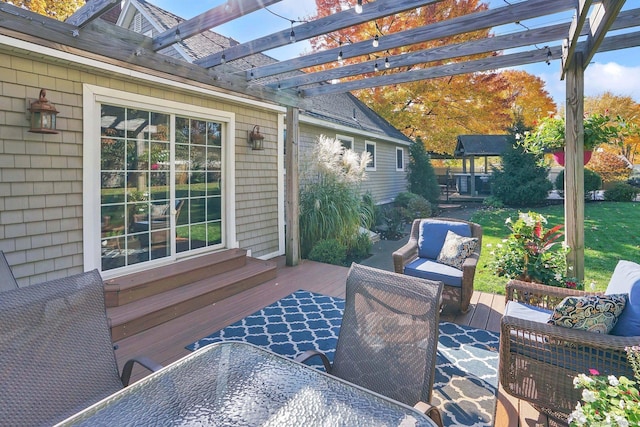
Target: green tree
point(421, 175)
point(58, 9)
point(522, 179)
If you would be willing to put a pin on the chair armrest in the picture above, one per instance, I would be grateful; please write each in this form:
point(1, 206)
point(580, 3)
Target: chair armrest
point(404, 255)
point(141, 360)
point(430, 411)
point(301, 358)
point(575, 345)
point(540, 295)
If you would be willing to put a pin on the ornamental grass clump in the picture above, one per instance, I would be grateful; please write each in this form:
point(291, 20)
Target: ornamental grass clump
point(331, 203)
point(609, 400)
point(533, 253)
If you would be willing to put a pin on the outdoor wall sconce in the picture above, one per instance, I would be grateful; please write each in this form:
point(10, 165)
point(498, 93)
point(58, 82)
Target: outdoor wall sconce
point(256, 139)
point(43, 115)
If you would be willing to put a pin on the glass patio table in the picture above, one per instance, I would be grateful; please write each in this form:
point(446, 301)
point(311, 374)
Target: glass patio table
point(234, 383)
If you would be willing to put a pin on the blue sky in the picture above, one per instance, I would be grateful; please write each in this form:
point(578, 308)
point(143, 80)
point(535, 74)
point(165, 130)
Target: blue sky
point(617, 71)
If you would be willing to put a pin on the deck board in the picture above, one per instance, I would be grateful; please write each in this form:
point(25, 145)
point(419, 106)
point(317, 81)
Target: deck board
point(165, 343)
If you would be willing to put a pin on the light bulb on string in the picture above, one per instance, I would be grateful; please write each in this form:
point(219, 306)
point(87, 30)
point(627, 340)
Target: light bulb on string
point(387, 64)
point(376, 41)
point(359, 6)
point(375, 67)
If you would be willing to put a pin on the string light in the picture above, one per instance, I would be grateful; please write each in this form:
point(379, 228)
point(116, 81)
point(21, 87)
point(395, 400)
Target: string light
point(223, 59)
point(292, 34)
point(177, 36)
point(387, 64)
point(376, 41)
point(359, 6)
point(549, 56)
point(340, 57)
point(375, 67)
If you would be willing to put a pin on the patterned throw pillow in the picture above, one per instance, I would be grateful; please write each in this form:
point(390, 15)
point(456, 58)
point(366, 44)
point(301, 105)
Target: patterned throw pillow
point(593, 313)
point(456, 249)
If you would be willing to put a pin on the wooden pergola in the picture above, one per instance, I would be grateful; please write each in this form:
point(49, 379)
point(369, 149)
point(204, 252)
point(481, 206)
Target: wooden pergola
point(574, 42)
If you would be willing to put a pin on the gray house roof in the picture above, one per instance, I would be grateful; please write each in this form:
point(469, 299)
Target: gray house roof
point(343, 109)
point(481, 145)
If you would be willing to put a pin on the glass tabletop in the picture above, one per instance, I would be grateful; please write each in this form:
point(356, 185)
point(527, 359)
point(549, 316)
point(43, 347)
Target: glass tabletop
point(233, 383)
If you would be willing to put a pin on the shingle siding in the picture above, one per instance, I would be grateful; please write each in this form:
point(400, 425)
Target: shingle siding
point(41, 175)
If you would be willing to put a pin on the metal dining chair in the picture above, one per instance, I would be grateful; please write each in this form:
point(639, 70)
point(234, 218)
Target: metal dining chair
point(388, 336)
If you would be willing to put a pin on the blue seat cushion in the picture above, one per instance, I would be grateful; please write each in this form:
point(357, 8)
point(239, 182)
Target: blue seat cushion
point(433, 233)
point(527, 312)
point(433, 270)
point(626, 280)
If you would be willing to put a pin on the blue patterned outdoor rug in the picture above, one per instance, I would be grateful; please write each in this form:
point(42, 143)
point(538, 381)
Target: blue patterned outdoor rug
point(466, 378)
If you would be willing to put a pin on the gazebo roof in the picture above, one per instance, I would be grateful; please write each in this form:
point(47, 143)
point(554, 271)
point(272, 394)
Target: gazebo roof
point(481, 145)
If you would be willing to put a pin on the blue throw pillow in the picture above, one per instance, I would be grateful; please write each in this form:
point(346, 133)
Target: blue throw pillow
point(626, 280)
point(433, 232)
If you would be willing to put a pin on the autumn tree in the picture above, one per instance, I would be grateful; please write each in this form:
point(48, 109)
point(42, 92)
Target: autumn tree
point(436, 110)
point(616, 107)
point(58, 9)
point(530, 100)
point(609, 165)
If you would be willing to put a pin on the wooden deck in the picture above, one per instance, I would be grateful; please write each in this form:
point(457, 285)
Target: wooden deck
point(166, 343)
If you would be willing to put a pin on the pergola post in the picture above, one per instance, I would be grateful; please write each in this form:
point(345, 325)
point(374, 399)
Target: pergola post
point(574, 167)
point(292, 209)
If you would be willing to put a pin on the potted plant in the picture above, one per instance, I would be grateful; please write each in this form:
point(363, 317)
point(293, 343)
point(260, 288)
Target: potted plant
point(549, 136)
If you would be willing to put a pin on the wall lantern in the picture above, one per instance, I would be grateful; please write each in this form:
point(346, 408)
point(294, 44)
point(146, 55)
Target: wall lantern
point(43, 115)
point(256, 139)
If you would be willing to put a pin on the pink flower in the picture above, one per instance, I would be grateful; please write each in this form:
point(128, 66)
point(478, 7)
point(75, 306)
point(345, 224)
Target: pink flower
point(154, 166)
point(594, 372)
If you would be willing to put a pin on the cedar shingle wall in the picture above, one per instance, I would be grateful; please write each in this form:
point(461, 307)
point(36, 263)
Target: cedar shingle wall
point(41, 175)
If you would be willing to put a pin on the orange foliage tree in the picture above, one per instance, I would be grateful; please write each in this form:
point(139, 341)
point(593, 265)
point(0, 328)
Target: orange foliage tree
point(530, 100)
point(609, 165)
point(58, 9)
point(435, 110)
point(623, 107)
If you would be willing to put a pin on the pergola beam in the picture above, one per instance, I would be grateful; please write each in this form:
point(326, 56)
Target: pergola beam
point(328, 24)
point(440, 53)
point(484, 64)
point(603, 16)
point(205, 21)
point(463, 24)
point(570, 43)
point(91, 10)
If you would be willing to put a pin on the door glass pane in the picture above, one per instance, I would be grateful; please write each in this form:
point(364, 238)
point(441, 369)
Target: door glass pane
point(137, 189)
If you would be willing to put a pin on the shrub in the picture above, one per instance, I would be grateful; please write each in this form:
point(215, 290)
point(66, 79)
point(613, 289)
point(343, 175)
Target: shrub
point(402, 199)
point(359, 247)
point(368, 211)
point(329, 251)
point(493, 202)
point(621, 192)
point(420, 173)
point(522, 180)
point(419, 207)
point(392, 220)
point(592, 181)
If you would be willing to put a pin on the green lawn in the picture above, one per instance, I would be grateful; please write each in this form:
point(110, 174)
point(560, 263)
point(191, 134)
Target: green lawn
point(612, 232)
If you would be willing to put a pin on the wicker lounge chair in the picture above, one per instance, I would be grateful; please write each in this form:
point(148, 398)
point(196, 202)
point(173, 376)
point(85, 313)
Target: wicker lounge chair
point(7, 280)
point(389, 336)
point(418, 258)
point(56, 353)
point(538, 361)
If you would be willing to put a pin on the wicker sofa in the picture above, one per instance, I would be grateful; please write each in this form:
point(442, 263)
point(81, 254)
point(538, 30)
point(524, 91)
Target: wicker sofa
point(538, 361)
point(418, 258)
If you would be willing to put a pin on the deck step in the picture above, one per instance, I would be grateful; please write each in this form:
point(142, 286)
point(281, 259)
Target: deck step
point(137, 286)
point(140, 315)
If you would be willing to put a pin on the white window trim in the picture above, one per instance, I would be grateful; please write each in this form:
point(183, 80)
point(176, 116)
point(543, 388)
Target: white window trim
point(342, 138)
point(400, 150)
point(375, 155)
point(93, 96)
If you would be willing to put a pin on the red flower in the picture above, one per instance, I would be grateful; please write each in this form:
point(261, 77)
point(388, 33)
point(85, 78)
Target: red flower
point(154, 166)
point(573, 285)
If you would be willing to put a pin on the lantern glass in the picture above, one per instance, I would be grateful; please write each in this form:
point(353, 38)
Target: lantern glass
point(43, 115)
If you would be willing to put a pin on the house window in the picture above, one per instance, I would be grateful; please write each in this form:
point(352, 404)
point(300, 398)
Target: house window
point(370, 147)
point(346, 141)
point(160, 185)
point(399, 159)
